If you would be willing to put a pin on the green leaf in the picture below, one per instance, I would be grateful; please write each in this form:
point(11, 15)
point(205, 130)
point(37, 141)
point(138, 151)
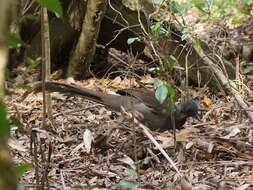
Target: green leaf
point(29, 62)
point(172, 95)
point(15, 41)
point(171, 92)
point(247, 69)
point(132, 40)
point(157, 2)
point(161, 93)
point(156, 82)
point(208, 5)
point(184, 7)
point(28, 17)
point(131, 173)
point(52, 5)
point(174, 7)
point(171, 62)
point(203, 5)
point(185, 36)
point(147, 160)
point(170, 108)
point(185, 33)
point(4, 124)
point(127, 185)
point(197, 43)
point(233, 85)
point(157, 28)
point(200, 4)
point(21, 169)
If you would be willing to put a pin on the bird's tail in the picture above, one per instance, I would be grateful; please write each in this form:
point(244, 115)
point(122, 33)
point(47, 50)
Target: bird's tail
point(68, 89)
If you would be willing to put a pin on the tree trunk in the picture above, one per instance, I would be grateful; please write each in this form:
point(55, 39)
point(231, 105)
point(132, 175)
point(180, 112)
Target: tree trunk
point(8, 179)
point(84, 52)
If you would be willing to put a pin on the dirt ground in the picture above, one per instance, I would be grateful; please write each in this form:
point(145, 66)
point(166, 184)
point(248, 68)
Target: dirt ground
point(86, 146)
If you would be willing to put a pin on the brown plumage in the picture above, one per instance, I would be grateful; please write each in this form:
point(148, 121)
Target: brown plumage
point(155, 115)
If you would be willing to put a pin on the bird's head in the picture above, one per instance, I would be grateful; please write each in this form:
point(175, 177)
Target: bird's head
point(190, 109)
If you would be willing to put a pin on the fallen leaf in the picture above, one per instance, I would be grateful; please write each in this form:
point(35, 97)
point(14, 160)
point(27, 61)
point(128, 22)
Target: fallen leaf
point(127, 160)
point(146, 79)
point(233, 133)
point(87, 140)
point(189, 145)
point(116, 83)
point(206, 101)
point(14, 144)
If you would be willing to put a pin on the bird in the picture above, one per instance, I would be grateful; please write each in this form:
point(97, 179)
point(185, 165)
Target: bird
point(154, 114)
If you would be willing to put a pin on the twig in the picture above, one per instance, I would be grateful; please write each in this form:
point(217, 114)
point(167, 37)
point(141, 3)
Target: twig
point(109, 2)
point(148, 134)
point(62, 179)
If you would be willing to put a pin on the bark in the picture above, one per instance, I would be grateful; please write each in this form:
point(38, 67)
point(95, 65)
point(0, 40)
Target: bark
point(84, 52)
point(46, 64)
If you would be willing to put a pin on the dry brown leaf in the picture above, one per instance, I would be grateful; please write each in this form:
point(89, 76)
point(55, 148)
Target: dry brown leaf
point(189, 145)
point(104, 81)
point(143, 172)
point(206, 101)
point(127, 160)
point(167, 140)
point(129, 83)
point(146, 79)
point(185, 184)
point(116, 83)
point(91, 83)
point(17, 145)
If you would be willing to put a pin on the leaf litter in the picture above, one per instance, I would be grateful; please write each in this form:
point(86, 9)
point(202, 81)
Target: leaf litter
point(95, 146)
point(98, 148)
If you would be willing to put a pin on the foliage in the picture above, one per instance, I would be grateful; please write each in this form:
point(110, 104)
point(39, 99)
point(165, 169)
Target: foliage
point(132, 40)
point(15, 41)
point(163, 91)
point(171, 62)
point(5, 127)
point(215, 10)
point(31, 63)
point(182, 8)
point(52, 5)
point(22, 168)
point(158, 29)
point(127, 184)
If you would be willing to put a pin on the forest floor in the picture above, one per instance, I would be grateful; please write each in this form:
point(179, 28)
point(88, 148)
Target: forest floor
point(214, 153)
point(91, 147)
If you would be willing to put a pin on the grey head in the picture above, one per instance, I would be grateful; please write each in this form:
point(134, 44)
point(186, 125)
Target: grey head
point(190, 109)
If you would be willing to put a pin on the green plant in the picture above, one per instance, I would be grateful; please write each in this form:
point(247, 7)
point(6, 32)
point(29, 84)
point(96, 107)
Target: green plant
point(52, 5)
